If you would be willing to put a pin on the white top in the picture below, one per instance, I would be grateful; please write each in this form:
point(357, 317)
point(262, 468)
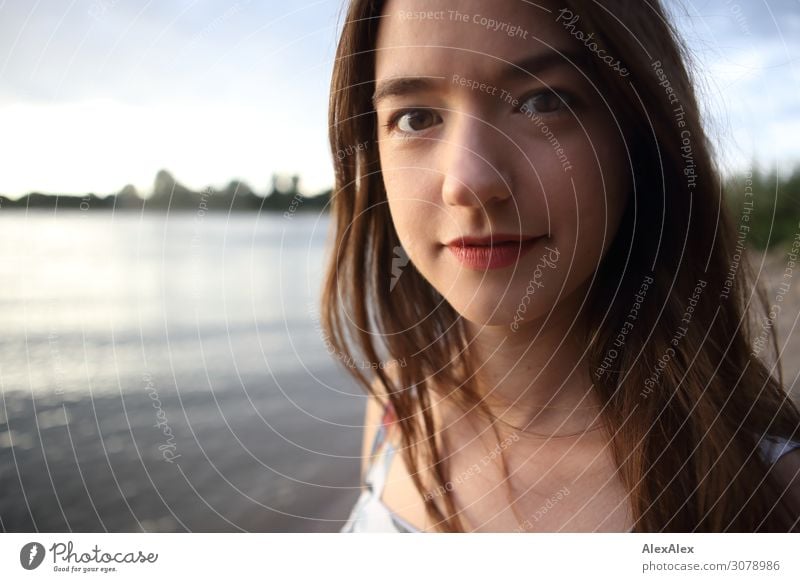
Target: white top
point(370, 514)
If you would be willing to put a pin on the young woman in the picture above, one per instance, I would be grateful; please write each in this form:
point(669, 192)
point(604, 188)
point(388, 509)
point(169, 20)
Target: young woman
point(533, 259)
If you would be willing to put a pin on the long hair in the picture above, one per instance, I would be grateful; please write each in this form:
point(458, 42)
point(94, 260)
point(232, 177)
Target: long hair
point(684, 403)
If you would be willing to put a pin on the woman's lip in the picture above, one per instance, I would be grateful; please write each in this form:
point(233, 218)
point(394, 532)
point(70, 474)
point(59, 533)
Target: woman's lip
point(495, 256)
point(488, 240)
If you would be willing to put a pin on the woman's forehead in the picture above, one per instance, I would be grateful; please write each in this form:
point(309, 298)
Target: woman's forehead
point(415, 35)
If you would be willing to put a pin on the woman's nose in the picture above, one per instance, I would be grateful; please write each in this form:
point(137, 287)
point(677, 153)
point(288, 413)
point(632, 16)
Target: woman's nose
point(474, 164)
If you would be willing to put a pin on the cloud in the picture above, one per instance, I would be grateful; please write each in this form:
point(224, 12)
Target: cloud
point(98, 93)
point(745, 61)
point(105, 92)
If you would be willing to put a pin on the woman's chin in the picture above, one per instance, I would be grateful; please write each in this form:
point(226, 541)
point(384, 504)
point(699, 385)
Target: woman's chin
point(504, 315)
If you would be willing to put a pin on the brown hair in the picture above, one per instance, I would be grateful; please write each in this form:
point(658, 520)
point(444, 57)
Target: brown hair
point(687, 448)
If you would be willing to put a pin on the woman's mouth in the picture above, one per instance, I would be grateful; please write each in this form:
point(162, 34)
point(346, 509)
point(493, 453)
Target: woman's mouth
point(483, 255)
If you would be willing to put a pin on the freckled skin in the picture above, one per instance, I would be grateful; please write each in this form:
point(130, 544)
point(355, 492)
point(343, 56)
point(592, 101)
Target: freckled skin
point(483, 166)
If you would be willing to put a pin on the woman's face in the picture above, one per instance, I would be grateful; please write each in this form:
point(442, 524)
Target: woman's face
point(472, 146)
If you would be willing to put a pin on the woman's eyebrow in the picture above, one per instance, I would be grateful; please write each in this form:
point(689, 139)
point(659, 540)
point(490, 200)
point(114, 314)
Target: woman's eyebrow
point(540, 62)
point(525, 68)
point(400, 86)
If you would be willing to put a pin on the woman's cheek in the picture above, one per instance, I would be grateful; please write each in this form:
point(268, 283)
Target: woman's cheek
point(413, 211)
point(580, 216)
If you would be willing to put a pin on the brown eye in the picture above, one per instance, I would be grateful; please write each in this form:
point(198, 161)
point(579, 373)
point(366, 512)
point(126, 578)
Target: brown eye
point(546, 102)
point(416, 120)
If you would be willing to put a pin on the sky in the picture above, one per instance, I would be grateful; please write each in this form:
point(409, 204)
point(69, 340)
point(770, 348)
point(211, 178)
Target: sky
point(97, 94)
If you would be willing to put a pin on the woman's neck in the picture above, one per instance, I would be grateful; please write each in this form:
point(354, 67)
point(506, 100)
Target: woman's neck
point(537, 377)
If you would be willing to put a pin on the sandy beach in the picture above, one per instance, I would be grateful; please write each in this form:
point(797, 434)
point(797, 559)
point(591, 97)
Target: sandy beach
point(237, 462)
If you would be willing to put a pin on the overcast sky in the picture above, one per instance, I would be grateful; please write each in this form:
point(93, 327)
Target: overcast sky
point(95, 94)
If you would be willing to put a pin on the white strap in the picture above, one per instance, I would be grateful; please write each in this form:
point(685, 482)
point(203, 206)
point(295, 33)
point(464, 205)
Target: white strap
point(376, 476)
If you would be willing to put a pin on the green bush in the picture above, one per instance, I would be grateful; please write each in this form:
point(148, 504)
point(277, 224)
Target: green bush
point(773, 204)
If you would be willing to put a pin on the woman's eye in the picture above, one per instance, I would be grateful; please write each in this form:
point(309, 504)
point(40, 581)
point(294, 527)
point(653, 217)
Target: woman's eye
point(414, 121)
point(546, 102)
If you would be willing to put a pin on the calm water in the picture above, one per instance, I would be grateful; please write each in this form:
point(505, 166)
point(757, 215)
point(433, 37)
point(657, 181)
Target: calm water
point(168, 373)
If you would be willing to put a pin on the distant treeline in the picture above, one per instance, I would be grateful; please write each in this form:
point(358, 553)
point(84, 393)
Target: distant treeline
point(771, 204)
point(168, 194)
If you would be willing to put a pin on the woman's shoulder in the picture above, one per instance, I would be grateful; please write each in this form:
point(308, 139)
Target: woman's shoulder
point(379, 417)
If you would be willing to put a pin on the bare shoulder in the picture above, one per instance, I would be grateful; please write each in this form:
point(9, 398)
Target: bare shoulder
point(373, 415)
point(787, 473)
